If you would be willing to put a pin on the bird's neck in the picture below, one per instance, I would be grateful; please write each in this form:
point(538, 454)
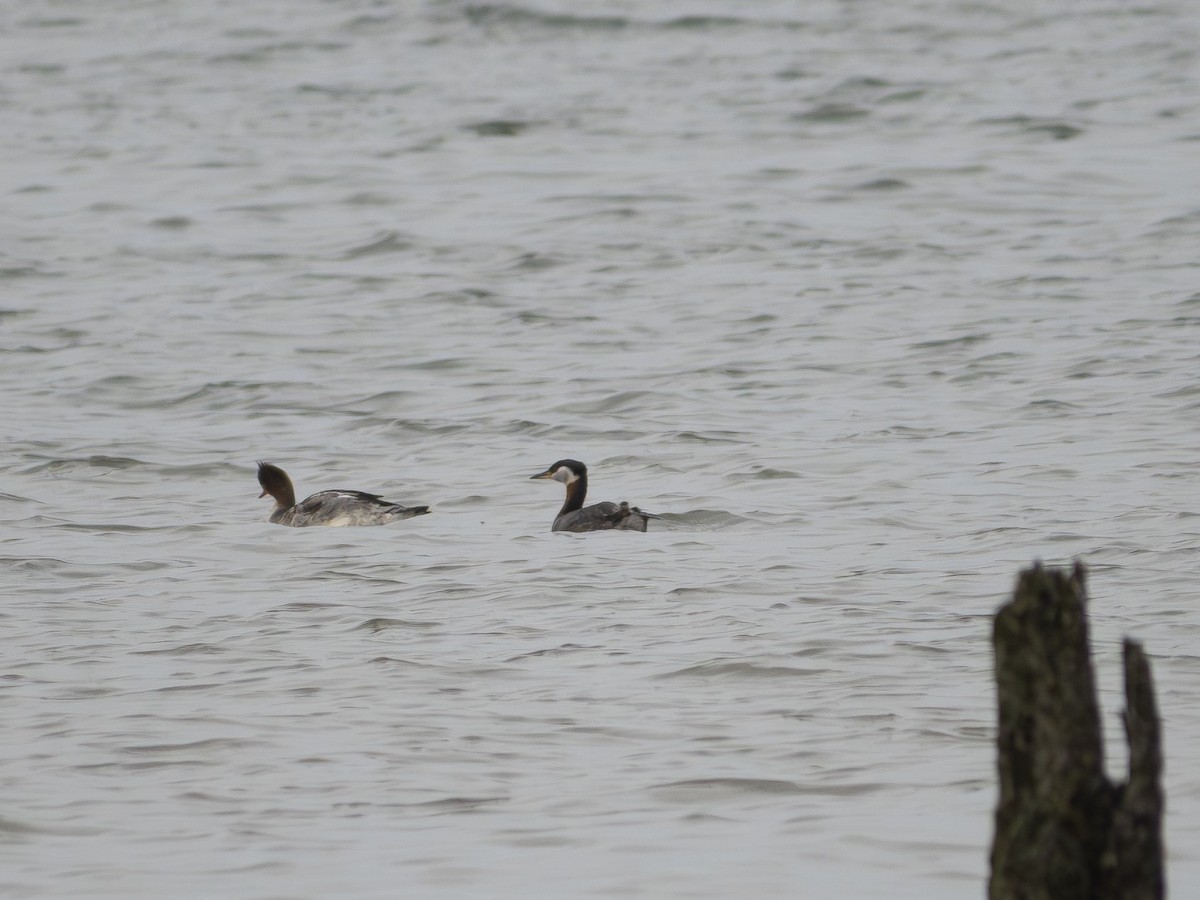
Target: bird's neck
point(576, 491)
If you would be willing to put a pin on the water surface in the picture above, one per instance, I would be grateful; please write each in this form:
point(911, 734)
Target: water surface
point(874, 305)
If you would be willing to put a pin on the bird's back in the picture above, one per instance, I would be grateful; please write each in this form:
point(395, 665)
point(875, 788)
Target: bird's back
point(337, 509)
point(602, 516)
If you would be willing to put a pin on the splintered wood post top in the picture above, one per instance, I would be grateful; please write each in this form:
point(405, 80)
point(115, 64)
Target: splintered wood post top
point(1064, 831)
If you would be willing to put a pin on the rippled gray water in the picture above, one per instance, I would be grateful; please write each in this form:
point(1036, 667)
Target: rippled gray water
point(874, 302)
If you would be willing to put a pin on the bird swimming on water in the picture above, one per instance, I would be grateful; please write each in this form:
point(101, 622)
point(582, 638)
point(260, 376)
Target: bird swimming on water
point(574, 516)
point(332, 508)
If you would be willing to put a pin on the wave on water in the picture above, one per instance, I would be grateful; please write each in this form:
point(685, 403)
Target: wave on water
point(380, 623)
point(95, 461)
point(510, 14)
point(700, 520)
point(703, 789)
point(720, 668)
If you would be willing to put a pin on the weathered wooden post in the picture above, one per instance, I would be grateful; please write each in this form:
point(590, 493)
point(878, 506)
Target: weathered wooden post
point(1063, 830)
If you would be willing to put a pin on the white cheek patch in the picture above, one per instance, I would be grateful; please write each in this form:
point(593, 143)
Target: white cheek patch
point(565, 475)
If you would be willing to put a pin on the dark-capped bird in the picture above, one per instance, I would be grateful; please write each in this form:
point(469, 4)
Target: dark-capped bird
point(574, 516)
